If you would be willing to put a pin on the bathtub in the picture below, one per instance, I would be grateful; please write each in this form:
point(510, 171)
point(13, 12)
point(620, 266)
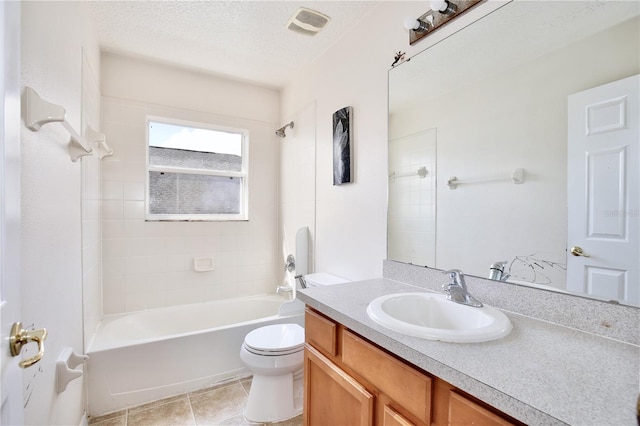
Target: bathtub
point(144, 356)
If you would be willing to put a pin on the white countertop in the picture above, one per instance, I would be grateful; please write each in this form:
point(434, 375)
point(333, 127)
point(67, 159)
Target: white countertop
point(541, 373)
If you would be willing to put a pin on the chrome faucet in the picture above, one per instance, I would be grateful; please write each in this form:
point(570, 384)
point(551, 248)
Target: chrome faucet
point(457, 290)
point(496, 271)
point(303, 282)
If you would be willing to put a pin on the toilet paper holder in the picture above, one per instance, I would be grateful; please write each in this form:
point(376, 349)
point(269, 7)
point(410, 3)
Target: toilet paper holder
point(65, 367)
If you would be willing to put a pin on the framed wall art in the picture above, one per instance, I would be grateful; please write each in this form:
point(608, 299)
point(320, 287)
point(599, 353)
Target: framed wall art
point(342, 149)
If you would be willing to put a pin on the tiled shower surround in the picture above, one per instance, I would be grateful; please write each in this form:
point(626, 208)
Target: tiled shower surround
point(149, 264)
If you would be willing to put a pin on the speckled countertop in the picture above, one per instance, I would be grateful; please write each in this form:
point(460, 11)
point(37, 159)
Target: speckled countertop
point(541, 373)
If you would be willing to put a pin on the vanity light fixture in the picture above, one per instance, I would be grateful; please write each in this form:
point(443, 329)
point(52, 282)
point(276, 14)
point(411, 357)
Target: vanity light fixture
point(441, 12)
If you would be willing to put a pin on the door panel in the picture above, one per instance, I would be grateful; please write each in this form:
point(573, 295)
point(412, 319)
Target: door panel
point(604, 191)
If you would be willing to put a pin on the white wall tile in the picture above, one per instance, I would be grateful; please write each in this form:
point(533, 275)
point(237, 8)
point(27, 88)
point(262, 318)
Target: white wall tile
point(112, 247)
point(112, 190)
point(111, 167)
point(193, 244)
point(135, 301)
point(176, 280)
point(134, 191)
point(178, 262)
point(157, 264)
point(183, 297)
point(113, 228)
point(135, 265)
point(134, 247)
point(113, 298)
point(133, 209)
point(134, 228)
point(135, 283)
point(112, 209)
point(155, 229)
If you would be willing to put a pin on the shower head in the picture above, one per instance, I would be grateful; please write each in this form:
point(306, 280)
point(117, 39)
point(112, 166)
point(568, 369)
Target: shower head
point(280, 132)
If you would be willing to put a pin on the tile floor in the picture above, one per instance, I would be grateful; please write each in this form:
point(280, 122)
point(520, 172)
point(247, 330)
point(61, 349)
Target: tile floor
point(218, 405)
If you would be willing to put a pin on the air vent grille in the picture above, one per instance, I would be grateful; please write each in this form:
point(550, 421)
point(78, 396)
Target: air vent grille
point(307, 21)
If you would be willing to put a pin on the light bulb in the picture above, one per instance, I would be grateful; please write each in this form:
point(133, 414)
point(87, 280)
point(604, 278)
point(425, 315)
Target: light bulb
point(438, 5)
point(411, 23)
point(416, 25)
point(443, 6)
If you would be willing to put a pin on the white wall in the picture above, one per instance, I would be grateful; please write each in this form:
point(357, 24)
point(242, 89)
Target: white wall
point(351, 218)
point(297, 184)
point(53, 37)
point(149, 264)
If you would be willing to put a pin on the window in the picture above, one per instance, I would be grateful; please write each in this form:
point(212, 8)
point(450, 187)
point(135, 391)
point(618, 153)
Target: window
point(196, 171)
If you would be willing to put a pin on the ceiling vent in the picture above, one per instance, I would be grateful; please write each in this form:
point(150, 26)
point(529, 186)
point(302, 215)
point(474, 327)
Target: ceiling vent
point(307, 21)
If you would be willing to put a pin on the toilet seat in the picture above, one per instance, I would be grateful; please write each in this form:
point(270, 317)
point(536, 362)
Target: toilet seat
point(275, 340)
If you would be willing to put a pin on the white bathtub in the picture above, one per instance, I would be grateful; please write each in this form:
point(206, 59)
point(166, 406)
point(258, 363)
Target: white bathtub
point(144, 356)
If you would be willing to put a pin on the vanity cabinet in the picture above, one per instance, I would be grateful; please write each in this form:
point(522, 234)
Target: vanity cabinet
point(350, 381)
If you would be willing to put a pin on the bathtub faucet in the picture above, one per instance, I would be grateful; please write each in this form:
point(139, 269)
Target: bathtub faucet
point(286, 288)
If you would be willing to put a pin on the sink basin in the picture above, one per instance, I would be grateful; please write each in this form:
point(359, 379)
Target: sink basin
point(432, 316)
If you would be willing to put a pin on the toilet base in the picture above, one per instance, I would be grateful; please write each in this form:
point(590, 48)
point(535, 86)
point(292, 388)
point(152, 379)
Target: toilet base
point(275, 398)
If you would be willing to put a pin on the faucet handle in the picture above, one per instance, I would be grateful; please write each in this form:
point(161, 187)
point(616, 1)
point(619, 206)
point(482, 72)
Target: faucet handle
point(455, 275)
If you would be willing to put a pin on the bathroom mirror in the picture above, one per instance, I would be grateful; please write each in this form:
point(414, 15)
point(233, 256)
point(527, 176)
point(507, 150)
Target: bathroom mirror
point(478, 128)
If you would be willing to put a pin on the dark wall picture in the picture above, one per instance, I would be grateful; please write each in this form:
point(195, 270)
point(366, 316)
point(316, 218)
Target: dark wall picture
point(342, 154)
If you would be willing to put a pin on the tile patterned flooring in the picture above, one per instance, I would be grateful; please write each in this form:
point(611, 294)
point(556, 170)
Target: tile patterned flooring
point(221, 404)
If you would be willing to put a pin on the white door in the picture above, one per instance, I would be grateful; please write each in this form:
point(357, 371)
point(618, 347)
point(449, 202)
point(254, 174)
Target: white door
point(604, 191)
point(11, 378)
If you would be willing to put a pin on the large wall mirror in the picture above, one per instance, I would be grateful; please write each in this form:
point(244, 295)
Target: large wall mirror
point(516, 139)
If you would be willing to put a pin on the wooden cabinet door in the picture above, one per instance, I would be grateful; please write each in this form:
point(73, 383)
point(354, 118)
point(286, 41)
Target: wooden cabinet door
point(332, 397)
point(463, 411)
point(392, 418)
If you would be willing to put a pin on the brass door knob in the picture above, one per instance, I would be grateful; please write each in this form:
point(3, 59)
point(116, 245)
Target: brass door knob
point(577, 251)
point(20, 337)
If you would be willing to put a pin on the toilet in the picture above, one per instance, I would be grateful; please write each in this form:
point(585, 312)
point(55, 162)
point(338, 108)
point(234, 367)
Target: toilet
point(275, 355)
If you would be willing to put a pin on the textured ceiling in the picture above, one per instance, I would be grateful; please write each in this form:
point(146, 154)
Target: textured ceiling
point(243, 40)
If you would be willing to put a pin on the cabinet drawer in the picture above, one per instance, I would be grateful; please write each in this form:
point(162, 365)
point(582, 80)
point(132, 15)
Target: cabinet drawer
point(404, 385)
point(321, 332)
point(463, 411)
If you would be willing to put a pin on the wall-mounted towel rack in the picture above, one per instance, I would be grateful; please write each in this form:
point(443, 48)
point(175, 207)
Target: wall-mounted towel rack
point(421, 173)
point(100, 142)
point(516, 177)
point(39, 112)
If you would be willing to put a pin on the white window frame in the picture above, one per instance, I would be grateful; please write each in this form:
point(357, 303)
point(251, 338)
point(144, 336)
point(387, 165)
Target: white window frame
point(243, 174)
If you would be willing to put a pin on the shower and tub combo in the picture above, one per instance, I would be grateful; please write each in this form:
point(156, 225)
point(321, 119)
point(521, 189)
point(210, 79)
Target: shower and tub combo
point(144, 356)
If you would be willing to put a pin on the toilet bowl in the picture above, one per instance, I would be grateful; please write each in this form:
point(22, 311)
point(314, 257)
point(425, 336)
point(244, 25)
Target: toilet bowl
point(275, 355)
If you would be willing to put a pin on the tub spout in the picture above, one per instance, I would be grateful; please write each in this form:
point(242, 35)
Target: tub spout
point(284, 289)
